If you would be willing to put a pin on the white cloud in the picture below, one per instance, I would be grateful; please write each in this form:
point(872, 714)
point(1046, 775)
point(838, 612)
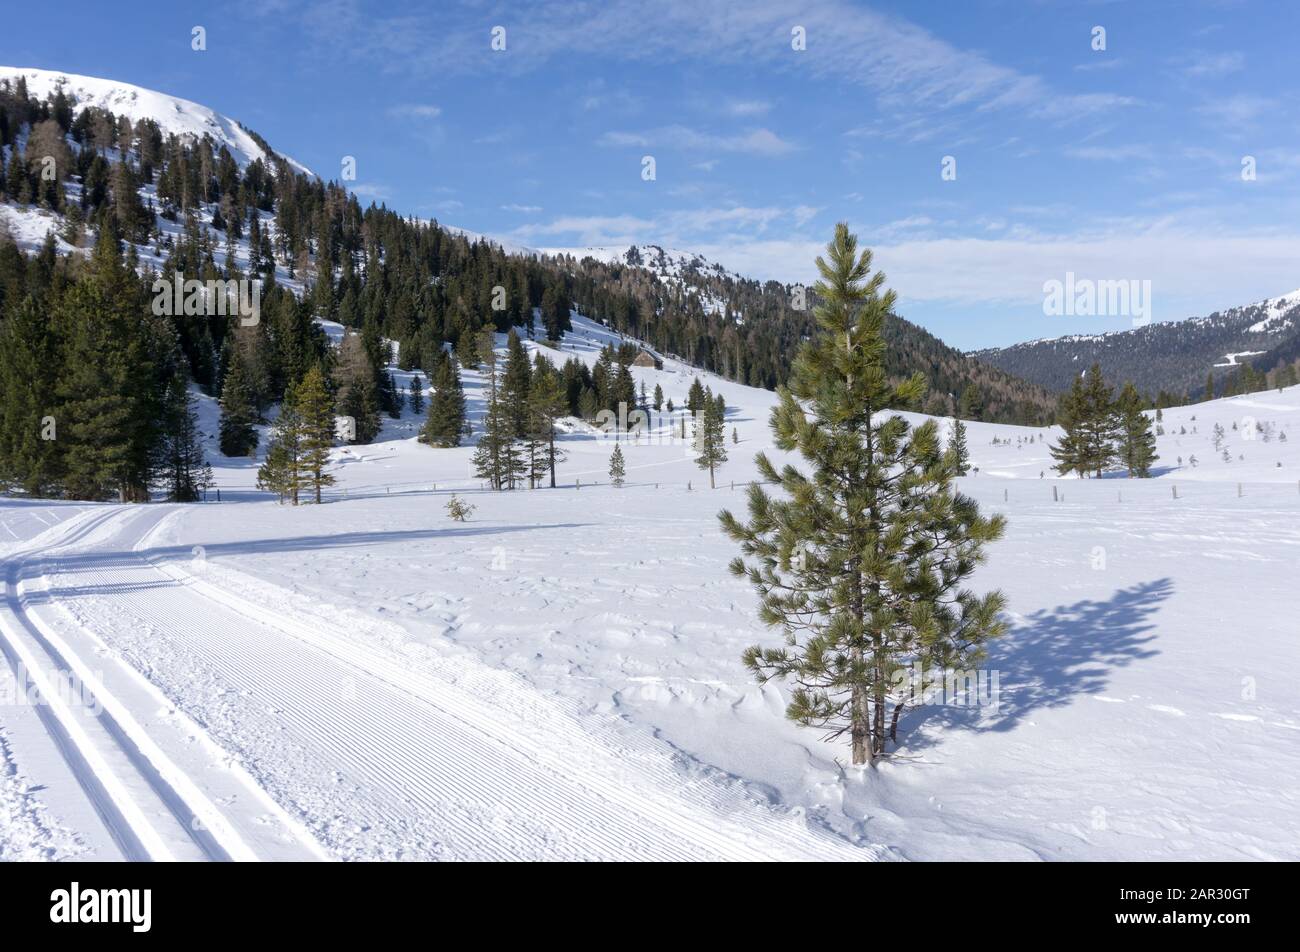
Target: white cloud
point(754, 142)
point(1110, 153)
point(1237, 111)
point(415, 111)
point(905, 65)
point(748, 108)
point(523, 209)
point(1214, 65)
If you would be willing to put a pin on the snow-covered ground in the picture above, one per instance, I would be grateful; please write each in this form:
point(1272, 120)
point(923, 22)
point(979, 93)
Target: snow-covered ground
point(560, 676)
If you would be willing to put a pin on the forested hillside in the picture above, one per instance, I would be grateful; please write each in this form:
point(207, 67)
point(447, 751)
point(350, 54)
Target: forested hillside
point(97, 207)
point(1236, 348)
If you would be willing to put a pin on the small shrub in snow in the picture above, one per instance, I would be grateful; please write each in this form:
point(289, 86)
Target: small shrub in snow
point(458, 509)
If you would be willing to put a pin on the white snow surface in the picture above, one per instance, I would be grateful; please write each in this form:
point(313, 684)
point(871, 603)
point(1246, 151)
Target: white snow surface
point(173, 114)
point(560, 677)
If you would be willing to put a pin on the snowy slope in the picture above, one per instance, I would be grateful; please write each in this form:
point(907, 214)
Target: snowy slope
point(1147, 705)
point(173, 114)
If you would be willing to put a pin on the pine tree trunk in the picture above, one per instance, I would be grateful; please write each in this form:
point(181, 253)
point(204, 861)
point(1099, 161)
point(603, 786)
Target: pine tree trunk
point(551, 460)
point(859, 725)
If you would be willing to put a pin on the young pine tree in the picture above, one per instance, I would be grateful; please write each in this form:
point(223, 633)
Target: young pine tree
point(315, 411)
point(417, 394)
point(710, 436)
point(446, 419)
point(546, 404)
point(180, 470)
point(861, 562)
point(617, 467)
point(280, 471)
point(1137, 446)
point(958, 445)
point(1087, 414)
point(237, 437)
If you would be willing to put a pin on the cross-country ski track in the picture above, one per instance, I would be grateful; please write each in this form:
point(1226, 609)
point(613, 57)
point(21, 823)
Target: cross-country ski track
point(229, 725)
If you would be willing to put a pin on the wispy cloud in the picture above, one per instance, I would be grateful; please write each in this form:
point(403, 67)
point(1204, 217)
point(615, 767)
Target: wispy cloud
point(747, 108)
point(1110, 153)
point(415, 111)
point(1239, 110)
point(754, 142)
point(522, 209)
point(1214, 65)
point(905, 65)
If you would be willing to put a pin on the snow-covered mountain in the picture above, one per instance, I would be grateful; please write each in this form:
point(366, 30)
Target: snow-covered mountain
point(174, 115)
point(664, 262)
point(1172, 355)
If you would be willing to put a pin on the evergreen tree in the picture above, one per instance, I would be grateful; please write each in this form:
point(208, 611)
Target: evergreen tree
point(237, 436)
point(695, 396)
point(29, 366)
point(497, 458)
point(711, 437)
point(659, 398)
point(417, 394)
point(617, 469)
point(357, 394)
point(314, 408)
point(958, 446)
point(280, 472)
point(546, 404)
point(516, 379)
point(1137, 446)
point(109, 392)
point(446, 419)
point(971, 404)
point(862, 562)
point(1087, 415)
point(181, 471)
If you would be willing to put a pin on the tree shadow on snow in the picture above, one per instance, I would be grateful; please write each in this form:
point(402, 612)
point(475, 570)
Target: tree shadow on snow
point(1052, 658)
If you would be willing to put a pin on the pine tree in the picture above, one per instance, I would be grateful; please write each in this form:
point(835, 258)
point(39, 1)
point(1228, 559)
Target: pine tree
point(861, 563)
point(958, 446)
point(971, 404)
point(237, 436)
point(357, 393)
point(710, 437)
point(617, 469)
point(695, 396)
point(446, 419)
point(181, 471)
point(280, 471)
point(109, 392)
point(1087, 415)
point(659, 398)
point(459, 510)
point(516, 379)
point(497, 458)
point(417, 394)
point(546, 404)
point(315, 411)
point(29, 448)
point(1137, 446)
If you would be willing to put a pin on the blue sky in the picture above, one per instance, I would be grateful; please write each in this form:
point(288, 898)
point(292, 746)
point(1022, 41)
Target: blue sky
point(1115, 164)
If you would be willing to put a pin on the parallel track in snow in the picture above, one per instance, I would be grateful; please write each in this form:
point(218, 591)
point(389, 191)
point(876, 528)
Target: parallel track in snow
point(144, 813)
point(380, 760)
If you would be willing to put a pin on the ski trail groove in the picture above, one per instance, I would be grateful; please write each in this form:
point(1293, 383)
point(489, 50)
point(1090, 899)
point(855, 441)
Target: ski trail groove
point(381, 761)
point(148, 807)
